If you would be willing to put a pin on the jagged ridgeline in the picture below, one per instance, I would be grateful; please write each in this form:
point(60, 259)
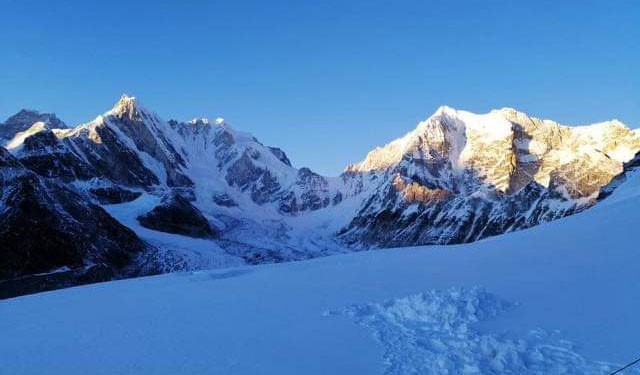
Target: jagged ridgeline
point(130, 193)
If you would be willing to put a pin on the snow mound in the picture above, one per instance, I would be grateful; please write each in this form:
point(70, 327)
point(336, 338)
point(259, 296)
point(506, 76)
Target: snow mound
point(436, 333)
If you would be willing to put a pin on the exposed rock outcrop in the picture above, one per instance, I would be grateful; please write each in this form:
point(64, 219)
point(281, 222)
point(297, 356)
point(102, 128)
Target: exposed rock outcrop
point(45, 226)
point(175, 214)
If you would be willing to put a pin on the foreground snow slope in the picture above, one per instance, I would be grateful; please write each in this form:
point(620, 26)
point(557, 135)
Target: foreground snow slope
point(577, 275)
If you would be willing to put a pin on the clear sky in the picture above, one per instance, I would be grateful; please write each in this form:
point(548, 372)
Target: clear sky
point(324, 80)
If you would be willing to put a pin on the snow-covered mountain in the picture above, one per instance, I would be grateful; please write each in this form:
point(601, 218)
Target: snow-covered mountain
point(24, 119)
point(559, 298)
point(459, 177)
point(201, 194)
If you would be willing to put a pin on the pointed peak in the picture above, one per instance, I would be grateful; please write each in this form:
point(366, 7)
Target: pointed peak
point(127, 99)
point(126, 102)
point(129, 106)
point(445, 110)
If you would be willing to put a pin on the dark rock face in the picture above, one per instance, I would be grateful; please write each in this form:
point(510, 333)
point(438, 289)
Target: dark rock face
point(55, 280)
point(315, 190)
point(177, 215)
point(314, 193)
point(114, 194)
point(245, 175)
point(451, 219)
point(112, 158)
point(224, 143)
point(45, 226)
point(224, 200)
point(8, 163)
point(44, 154)
point(280, 155)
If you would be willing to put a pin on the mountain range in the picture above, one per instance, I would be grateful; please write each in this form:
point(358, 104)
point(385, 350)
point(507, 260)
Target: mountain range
point(131, 194)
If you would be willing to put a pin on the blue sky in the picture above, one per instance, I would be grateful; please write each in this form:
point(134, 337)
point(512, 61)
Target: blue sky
point(324, 80)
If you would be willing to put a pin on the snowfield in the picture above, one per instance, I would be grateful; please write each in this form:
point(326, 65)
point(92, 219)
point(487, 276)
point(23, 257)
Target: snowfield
point(434, 333)
point(560, 298)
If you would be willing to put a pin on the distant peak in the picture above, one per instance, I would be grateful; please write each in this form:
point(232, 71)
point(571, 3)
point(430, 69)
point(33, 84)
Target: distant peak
point(25, 118)
point(26, 111)
point(26, 115)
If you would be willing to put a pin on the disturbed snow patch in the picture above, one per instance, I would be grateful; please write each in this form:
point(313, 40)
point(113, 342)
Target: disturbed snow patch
point(434, 333)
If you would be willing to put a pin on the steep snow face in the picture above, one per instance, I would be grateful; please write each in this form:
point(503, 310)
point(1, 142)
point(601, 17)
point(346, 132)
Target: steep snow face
point(232, 162)
point(232, 168)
